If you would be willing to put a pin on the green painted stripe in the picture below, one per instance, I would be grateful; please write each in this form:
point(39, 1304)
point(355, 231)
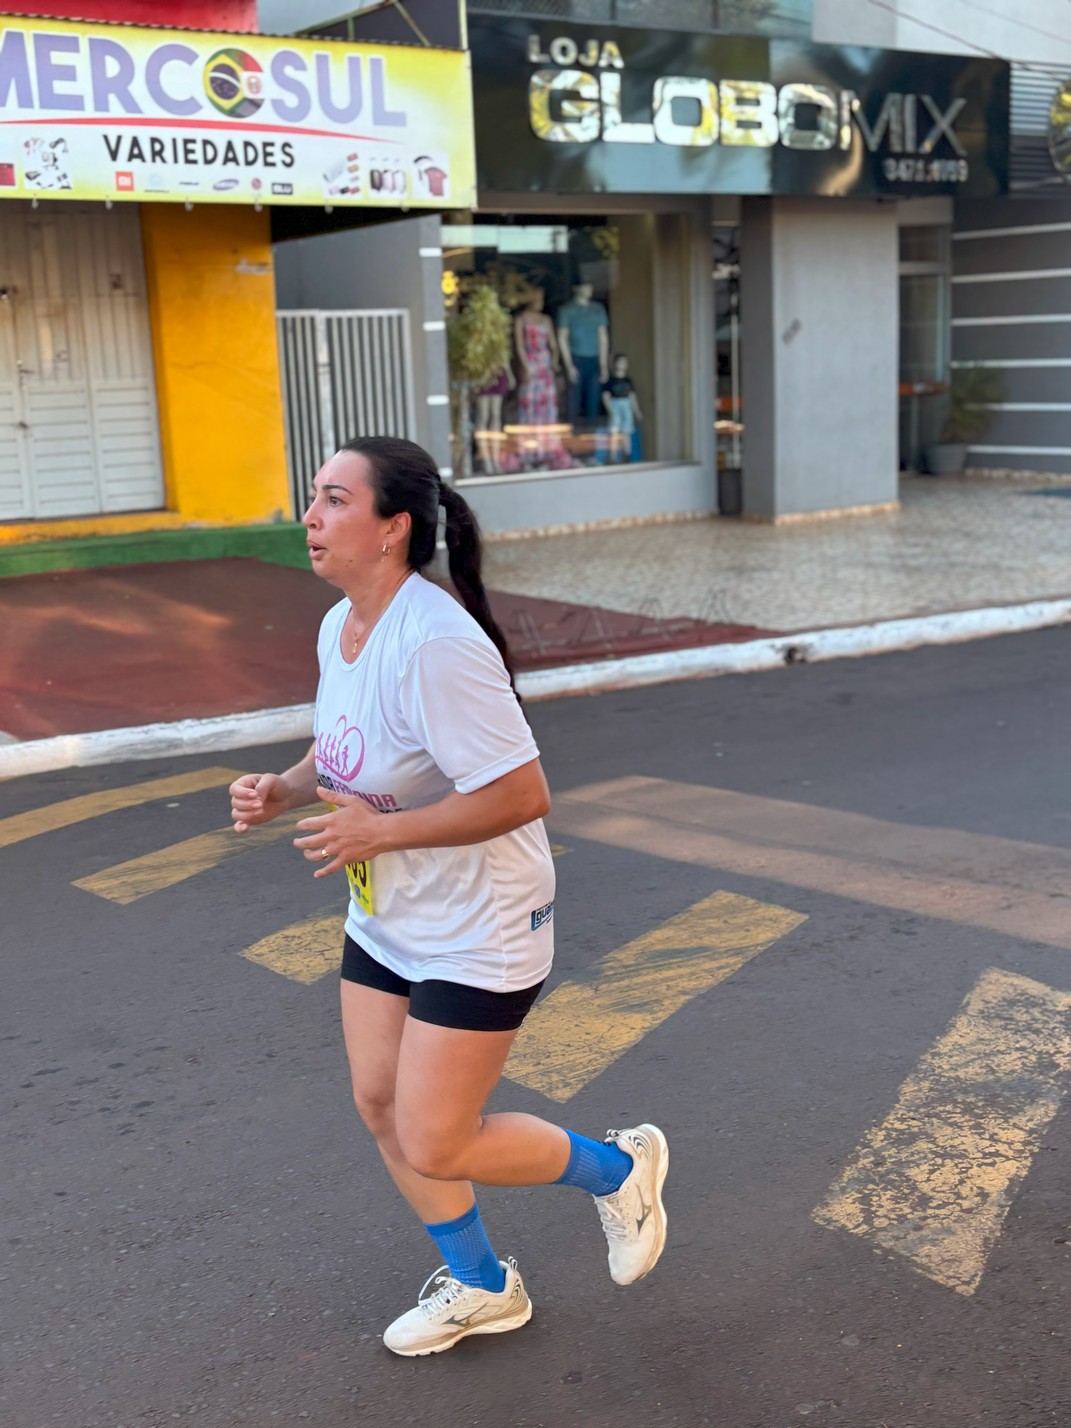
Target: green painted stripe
point(279, 544)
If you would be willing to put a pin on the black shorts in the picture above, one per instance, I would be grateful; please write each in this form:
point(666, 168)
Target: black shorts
point(441, 1003)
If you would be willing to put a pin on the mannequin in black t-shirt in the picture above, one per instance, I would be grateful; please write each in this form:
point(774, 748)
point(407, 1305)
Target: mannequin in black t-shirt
point(622, 406)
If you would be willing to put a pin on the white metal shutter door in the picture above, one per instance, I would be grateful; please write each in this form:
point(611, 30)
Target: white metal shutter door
point(15, 496)
point(79, 432)
point(118, 342)
point(15, 502)
point(52, 369)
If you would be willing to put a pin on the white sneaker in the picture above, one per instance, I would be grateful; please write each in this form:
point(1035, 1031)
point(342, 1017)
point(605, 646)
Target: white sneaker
point(634, 1217)
point(452, 1310)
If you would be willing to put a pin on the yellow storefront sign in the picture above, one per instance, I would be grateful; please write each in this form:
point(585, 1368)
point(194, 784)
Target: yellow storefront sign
point(113, 112)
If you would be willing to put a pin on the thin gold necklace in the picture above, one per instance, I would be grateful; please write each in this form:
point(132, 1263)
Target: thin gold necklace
point(355, 638)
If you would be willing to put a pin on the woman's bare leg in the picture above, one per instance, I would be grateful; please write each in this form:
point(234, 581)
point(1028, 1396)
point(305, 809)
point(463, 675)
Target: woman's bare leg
point(446, 1136)
point(484, 447)
point(373, 1023)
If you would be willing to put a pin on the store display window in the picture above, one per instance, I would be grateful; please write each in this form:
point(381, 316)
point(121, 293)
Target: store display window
point(566, 340)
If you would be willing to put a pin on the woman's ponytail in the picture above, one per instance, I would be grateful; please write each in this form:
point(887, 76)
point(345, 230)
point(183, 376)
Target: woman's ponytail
point(465, 553)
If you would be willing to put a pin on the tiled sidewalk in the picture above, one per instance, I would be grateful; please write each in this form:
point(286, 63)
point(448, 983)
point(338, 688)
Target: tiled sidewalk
point(955, 544)
point(106, 648)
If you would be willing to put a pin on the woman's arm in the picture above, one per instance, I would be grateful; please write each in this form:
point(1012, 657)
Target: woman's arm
point(559, 349)
point(518, 343)
point(357, 832)
point(258, 798)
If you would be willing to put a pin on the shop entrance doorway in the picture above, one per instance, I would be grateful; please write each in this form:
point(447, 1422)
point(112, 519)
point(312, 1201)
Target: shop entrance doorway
point(925, 339)
point(79, 432)
point(728, 404)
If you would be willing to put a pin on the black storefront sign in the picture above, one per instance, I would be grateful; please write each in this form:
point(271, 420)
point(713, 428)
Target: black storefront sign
point(591, 109)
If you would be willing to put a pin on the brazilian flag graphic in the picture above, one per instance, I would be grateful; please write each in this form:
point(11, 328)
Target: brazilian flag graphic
point(234, 82)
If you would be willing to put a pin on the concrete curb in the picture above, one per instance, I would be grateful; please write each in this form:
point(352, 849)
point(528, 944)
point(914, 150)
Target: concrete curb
point(811, 647)
point(156, 741)
point(273, 726)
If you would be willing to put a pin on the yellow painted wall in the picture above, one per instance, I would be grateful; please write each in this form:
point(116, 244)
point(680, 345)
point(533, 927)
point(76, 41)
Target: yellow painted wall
point(212, 306)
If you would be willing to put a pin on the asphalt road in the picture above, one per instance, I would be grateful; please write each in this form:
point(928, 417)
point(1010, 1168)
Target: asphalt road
point(870, 1222)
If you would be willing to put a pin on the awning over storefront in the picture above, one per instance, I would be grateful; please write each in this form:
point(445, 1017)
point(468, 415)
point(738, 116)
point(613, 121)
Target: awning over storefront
point(104, 112)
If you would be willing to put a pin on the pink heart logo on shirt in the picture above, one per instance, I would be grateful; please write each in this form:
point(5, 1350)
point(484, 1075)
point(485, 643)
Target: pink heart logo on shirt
point(342, 751)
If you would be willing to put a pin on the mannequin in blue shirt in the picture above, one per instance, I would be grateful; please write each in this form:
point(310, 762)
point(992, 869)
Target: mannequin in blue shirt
point(584, 338)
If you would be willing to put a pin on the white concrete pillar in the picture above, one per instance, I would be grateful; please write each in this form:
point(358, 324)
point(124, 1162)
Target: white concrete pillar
point(819, 311)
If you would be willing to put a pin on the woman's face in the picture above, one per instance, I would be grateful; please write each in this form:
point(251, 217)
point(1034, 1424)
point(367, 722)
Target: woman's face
point(537, 300)
point(345, 537)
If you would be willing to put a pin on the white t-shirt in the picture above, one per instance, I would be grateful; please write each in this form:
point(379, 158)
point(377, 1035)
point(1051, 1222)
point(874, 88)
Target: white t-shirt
point(426, 709)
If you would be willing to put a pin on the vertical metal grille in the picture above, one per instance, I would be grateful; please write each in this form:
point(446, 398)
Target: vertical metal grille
point(345, 374)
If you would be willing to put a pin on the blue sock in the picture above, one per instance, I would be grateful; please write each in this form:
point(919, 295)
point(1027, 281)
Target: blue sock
point(597, 1166)
point(464, 1245)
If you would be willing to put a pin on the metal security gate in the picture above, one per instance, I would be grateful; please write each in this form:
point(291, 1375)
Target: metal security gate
point(345, 374)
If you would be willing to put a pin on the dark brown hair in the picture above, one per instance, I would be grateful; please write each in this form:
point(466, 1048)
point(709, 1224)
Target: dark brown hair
point(405, 478)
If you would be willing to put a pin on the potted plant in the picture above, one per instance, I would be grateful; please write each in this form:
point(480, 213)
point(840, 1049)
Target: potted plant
point(973, 391)
point(478, 347)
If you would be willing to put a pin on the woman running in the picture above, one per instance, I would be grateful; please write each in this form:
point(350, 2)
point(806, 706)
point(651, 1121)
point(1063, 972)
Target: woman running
point(435, 798)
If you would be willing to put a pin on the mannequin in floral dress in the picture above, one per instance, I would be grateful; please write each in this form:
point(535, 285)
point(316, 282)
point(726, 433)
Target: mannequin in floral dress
point(539, 362)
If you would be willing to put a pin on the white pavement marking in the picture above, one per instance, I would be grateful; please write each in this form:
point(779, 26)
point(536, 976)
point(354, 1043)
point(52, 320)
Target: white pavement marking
point(274, 726)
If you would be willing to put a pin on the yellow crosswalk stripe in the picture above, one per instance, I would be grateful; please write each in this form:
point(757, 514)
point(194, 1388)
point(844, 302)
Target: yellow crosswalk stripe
point(934, 1181)
point(1000, 884)
point(583, 1026)
point(92, 805)
point(304, 952)
point(164, 867)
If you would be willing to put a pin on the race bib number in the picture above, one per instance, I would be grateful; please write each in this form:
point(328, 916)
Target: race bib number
point(359, 877)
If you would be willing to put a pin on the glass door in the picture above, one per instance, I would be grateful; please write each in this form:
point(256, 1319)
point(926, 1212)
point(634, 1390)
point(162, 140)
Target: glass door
point(728, 406)
point(924, 339)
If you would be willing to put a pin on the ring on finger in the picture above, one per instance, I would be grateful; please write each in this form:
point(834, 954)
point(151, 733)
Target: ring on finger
point(324, 853)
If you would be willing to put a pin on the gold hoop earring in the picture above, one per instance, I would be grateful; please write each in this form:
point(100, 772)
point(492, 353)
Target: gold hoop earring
point(386, 551)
